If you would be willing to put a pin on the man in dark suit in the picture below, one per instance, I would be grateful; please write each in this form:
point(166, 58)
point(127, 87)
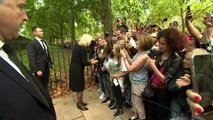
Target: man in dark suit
point(22, 97)
point(39, 57)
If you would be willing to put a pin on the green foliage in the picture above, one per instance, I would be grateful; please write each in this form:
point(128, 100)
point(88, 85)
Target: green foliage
point(131, 9)
point(55, 17)
point(64, 20)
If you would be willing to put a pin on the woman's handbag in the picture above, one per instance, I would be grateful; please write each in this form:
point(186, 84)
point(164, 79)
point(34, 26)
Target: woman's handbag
point(148, 91)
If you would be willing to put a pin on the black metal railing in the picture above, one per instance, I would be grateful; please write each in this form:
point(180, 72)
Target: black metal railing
point(61, 58)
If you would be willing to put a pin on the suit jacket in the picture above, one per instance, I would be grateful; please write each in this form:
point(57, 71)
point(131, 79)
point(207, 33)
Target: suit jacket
point(19, 100)
point(38, 59)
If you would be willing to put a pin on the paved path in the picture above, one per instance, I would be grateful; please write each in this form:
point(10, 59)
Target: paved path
point(66, 108)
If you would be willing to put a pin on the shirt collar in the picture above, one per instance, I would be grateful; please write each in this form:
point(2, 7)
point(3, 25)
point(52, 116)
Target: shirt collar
point(1, 44)
point(37, 38)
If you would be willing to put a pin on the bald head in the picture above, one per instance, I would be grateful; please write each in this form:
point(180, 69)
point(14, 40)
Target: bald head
point(13, 15)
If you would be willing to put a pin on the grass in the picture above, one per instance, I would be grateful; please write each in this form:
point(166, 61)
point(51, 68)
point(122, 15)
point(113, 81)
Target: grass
point(61, 58)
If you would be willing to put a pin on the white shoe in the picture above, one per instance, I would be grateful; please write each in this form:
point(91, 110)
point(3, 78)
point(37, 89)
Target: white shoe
point(102, 96)
point(108, 102)
point(99, 90)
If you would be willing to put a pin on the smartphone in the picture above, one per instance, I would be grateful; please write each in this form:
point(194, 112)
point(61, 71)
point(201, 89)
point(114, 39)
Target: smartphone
point(208, 16)
point(202, 79)
point(188, 10)
point(152, 54)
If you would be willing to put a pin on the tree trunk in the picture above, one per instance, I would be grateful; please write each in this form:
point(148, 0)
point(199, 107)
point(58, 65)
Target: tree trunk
point(72, 26)
point(107, 16)
point(182, 15)
point(182, 19)
point(62, 33)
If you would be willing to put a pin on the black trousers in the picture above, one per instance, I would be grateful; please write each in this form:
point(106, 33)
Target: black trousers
point(158, 107)
point(118, 95)
point(45, 78)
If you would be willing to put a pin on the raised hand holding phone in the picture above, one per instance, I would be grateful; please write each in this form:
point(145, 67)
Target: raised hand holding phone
point(202, 80)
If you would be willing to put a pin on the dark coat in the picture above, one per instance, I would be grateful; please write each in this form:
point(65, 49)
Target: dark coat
point(19, 100)
point(78, 62)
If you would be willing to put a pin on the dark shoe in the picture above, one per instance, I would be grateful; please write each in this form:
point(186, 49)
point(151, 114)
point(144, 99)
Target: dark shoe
point(133, 118)
point(114, 108)
point(118, 113)
point(128, 105)
point(105, 100)
point(82, 107)
point(111, 104)
point(85, 104)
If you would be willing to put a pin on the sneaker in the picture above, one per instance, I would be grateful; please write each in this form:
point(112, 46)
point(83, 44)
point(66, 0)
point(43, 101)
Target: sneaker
point(102, 96)
point(111, 104)
point(114, 108)
point(108, 102)
point(105, 100)
point(133, 118)
point(118, 113)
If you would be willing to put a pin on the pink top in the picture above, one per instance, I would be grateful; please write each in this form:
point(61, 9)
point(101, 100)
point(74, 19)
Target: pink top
point(155, 80)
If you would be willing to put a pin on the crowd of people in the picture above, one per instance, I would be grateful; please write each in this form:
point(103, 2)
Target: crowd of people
point(126, 62)
point(131, 58)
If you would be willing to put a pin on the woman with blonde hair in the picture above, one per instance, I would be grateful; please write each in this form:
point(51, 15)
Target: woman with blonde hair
point(117, 71)
point(76, 74)
point(138, 72)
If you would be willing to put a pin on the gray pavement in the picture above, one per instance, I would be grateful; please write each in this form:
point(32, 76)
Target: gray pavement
point(66, 109)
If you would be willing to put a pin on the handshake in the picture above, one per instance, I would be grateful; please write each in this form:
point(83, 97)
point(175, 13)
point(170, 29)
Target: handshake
point(93, 61)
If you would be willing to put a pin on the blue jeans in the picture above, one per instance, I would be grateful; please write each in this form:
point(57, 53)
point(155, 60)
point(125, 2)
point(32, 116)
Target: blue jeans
point(178, 110)
point(101, 83)
point(197, 118)
point(108, 86)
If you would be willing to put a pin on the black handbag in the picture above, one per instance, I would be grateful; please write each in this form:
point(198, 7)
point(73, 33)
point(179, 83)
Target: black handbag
point(148, 91)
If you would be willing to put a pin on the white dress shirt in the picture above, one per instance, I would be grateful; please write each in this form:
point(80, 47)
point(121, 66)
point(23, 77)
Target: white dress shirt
point(43, 45)
point(4, 56)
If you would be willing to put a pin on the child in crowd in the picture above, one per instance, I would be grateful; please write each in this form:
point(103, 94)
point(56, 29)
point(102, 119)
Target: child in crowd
point(117, 71)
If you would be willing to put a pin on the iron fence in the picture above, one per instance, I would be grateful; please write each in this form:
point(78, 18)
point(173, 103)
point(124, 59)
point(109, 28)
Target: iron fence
point(61, 58)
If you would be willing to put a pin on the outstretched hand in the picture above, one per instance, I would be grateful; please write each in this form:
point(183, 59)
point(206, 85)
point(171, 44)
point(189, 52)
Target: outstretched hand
point(183, 81)
point(92, 61)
